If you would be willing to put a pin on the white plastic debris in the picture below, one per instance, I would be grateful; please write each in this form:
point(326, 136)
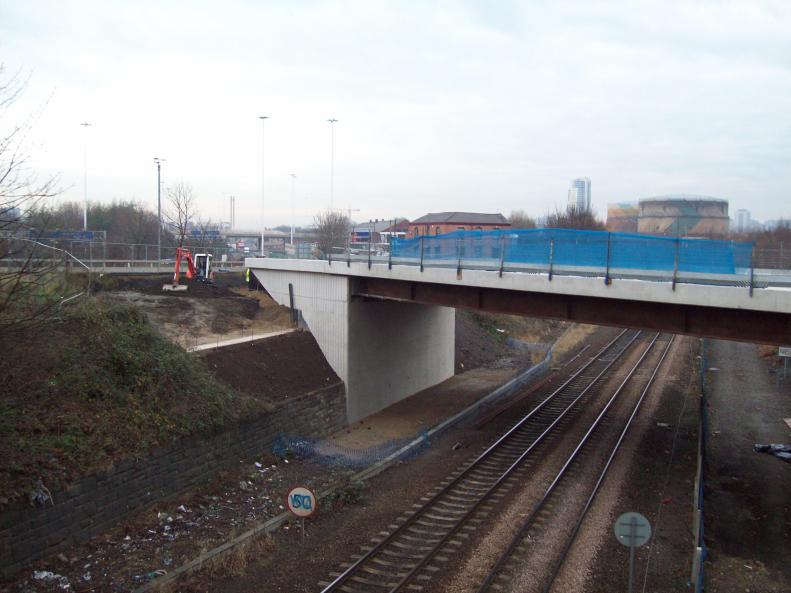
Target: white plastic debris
point(259, 465)
point(51, 577)
point(183, 509)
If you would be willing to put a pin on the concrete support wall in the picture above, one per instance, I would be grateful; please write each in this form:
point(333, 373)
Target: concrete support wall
point(383, 351)
point(395, 350)
point(324, 302)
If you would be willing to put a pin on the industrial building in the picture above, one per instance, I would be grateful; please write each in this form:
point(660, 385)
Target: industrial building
point(675, 215)
point(439, 223)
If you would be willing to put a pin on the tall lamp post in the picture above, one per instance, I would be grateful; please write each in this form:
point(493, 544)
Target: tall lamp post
point(263, 119)
point(332, 121)
point(85, 176)
point(159, 161)
point(293, 181)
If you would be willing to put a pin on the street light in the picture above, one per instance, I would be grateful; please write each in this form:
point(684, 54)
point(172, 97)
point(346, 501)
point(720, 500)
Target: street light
point(85, 176)
point(263, 119)
point(332, 161)
point(159, 162)
point(293, 181)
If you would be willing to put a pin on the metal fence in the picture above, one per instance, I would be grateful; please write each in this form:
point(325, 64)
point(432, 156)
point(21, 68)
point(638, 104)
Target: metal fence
point(699, 550)
point(568, 247)
point(587, 253)
point(15, 252)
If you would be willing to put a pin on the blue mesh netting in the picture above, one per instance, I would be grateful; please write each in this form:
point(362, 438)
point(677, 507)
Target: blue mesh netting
point(574, 248)
point(326, 452)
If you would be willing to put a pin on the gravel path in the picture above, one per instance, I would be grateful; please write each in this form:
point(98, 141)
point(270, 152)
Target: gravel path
point(748, 513)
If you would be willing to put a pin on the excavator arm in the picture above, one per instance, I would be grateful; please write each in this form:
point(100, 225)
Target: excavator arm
point(185, 253)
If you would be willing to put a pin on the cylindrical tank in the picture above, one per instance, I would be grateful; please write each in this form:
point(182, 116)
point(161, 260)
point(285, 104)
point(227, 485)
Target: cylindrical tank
point(683, 216)
point(622, 217)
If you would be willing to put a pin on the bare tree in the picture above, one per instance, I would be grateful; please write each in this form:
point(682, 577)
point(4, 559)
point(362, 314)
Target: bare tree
point(520, 220)
point(332, 230)
point(180, 210)
point(32, 276)
point(574, 218)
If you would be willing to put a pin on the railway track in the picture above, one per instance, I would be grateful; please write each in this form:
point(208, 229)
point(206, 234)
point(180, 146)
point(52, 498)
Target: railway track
point(550, 535)
point(409, 555)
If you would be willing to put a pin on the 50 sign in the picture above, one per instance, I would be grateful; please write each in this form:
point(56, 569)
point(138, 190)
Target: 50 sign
point(301, 502)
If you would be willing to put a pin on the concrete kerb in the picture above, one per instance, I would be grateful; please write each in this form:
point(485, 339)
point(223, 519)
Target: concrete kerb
point(270, 525)
point(241, 340)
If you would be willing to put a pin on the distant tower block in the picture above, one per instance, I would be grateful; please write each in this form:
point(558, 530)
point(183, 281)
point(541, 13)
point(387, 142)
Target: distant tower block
point(580, 193)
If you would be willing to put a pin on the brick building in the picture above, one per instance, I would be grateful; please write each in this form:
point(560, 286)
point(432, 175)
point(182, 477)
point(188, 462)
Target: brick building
point(439, 223)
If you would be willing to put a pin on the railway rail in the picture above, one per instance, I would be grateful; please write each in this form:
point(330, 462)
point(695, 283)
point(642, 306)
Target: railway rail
point(406, 557)
point(514, 570)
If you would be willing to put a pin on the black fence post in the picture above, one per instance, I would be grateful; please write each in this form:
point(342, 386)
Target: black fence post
point(329, 257)
point(607, 271)
point(390, 255)
point(551, 257)
point(752, 268)
point(421, 253)
point(458, 253)
point(502, 253)
point(291, 302)
point(675, 262)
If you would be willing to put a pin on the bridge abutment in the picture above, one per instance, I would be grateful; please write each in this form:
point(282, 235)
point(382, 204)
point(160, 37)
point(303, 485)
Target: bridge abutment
point(383, 351)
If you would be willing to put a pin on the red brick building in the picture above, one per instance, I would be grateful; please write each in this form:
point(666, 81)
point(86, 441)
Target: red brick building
point(439, 223)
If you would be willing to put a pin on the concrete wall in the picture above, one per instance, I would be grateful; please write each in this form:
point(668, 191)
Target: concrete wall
point(96, 503)
point(324, 302)
point(383, 351)
point(395, 350)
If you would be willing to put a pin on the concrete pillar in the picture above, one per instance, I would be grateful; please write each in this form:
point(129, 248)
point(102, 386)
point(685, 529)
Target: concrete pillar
point(395, 350)
point(383, 351)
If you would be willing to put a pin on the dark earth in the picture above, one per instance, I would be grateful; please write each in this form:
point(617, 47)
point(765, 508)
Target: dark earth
point(275, 368)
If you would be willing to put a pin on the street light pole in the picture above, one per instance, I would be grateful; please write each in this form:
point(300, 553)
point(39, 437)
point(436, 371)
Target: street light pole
point(85, 176)
point(332, 161)
point(293, 181)
point(263, 119)
point(158, 161)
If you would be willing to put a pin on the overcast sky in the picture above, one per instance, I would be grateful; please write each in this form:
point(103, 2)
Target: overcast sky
point(478, 106)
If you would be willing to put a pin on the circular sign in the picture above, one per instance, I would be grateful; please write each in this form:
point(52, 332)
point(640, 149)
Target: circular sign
point(632, 530)
point(301, 502)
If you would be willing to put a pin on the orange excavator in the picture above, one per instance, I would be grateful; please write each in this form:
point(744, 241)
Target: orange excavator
point(199, 268)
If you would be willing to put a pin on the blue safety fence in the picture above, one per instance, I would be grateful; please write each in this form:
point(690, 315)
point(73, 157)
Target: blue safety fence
point(545, 248)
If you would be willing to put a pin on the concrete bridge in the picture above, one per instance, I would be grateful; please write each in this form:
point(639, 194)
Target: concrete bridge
point(388, 329)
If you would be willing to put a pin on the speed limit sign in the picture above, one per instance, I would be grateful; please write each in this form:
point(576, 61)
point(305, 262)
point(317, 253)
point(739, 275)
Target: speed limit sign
point(301, 502)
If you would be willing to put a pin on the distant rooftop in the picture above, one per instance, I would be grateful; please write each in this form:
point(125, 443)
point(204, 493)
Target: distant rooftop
point(462, 218)
point(683, 198)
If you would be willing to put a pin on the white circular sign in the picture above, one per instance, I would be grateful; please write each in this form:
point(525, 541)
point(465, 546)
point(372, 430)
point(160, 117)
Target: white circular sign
point(632, 530)
point(301, 502)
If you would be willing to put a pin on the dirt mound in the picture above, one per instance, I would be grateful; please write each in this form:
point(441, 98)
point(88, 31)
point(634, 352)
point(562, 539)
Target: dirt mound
point(203, 313)
point(152, 285)
point(276, 368)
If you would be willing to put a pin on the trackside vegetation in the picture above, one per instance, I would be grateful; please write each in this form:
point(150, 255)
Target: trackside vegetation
point(95, 384)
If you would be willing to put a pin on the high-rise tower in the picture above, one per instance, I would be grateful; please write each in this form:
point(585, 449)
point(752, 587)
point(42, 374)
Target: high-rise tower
point(580, 193)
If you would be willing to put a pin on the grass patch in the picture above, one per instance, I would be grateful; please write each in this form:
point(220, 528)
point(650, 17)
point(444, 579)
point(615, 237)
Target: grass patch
point(97, 384)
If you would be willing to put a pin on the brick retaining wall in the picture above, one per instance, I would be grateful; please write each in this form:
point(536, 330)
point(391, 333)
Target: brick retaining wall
point(96, 503)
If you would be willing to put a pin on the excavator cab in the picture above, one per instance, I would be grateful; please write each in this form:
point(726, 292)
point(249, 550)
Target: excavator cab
point(203, 266)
